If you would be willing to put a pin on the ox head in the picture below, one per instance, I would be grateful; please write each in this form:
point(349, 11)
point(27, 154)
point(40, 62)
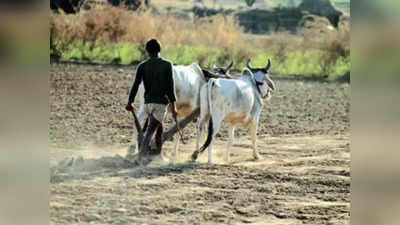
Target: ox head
point(264, 83)
point(217, 72)
point(222, 70)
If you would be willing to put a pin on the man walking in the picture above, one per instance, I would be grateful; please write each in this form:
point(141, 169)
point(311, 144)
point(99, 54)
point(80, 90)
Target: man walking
point(156, 74)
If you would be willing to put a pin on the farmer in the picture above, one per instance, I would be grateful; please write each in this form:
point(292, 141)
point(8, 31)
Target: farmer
point(156, 74)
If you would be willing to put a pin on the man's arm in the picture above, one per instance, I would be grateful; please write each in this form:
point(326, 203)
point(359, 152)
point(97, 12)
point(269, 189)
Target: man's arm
point(134, 88)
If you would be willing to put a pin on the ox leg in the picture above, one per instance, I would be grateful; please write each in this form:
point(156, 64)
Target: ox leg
point(230, 143)
point(253, 131)
point(203, 133)
point(210, 159)
point(200, 132)
point(216, 127)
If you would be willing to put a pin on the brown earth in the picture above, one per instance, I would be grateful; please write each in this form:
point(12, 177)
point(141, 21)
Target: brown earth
point(303, 178)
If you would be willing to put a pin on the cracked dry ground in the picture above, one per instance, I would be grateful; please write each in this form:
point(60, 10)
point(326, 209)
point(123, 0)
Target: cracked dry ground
point(303, 178)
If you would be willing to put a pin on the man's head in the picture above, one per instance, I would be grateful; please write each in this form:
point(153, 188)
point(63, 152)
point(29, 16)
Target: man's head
point(153, 47)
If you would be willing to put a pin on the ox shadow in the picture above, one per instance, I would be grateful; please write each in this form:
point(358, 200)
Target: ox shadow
point(79, 168)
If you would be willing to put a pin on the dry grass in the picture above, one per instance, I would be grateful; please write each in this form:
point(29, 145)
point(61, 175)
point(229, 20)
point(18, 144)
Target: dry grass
point(320, 48)
point(320, 34)
point(111, 24)
point(281, 44)
point(335, 43)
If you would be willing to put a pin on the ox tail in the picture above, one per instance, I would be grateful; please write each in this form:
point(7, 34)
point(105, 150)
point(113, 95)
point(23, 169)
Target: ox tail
point(210, 122)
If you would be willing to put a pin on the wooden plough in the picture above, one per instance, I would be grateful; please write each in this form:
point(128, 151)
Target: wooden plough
point(167, 135)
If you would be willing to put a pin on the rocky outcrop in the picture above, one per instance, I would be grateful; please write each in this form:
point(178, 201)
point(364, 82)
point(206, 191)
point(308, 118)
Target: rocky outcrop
point(260, 21)
point(287, 18)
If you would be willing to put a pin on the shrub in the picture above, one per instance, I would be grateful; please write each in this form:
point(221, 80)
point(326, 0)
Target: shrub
point(116, 24)
point(334, 43)
point(116, 35)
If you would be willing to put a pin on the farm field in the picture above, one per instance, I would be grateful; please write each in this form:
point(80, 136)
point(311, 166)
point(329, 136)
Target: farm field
point(303, 178)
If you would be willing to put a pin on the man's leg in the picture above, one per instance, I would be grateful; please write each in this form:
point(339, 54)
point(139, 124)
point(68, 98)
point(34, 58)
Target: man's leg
point(159, 139)
point(159, 112)
point(152, 127)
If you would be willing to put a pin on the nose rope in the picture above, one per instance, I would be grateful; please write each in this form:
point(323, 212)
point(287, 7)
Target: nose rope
point(259, 90)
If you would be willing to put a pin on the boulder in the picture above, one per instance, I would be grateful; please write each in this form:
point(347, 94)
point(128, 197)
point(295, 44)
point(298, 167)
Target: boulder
point(287, 18)
point(322, 8)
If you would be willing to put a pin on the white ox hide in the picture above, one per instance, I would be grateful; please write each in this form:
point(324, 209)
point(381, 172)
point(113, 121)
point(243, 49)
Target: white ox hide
point(238, 102)
point(187, 83)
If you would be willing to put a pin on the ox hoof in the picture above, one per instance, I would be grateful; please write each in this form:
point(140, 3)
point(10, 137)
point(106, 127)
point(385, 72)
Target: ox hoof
point(257, 157)
point(193, 158)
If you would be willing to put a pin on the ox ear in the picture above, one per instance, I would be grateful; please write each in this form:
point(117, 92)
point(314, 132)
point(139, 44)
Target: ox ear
point(268, 65)
point(270, 83)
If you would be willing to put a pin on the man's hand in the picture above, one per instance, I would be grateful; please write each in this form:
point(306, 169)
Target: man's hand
point(129, 107)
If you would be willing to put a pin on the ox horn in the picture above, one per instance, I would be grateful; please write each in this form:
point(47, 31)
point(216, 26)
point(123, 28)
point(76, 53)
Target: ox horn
point(268, 65)
point(248, 64)
point(229, 66)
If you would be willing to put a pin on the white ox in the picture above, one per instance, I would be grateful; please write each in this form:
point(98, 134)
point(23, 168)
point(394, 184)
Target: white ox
point(187, 82)
point(235, 101)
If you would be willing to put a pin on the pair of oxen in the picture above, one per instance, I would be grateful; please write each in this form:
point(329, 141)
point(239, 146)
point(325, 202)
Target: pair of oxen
point(236, 101)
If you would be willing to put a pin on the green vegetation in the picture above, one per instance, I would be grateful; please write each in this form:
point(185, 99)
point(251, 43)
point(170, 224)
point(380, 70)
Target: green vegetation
point(117, 36)
point(296, 62)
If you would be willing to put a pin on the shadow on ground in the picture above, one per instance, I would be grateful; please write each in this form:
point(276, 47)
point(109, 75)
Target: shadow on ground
point(79, 168)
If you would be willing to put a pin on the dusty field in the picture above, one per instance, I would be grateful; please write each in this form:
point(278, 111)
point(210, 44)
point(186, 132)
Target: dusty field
point(304, 177)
